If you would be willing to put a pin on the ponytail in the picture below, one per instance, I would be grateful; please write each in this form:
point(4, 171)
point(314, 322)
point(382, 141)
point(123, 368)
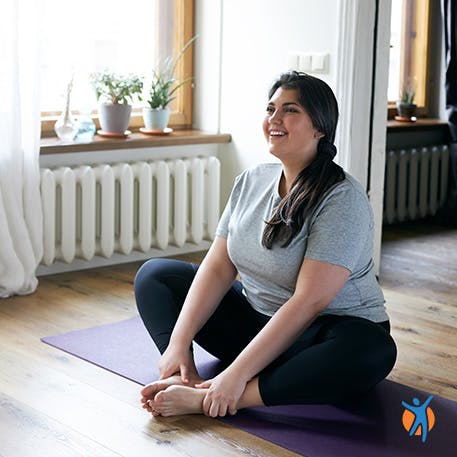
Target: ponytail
point(309, 187)
point(306, 192)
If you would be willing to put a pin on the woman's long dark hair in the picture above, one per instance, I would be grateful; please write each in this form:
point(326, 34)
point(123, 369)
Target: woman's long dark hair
point(310, 185)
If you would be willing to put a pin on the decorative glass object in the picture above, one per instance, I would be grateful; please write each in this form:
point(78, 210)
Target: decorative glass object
point(66, 127)
point(86, 126)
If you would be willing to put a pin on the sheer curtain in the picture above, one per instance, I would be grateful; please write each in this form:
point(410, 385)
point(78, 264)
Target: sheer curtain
point(20, 204)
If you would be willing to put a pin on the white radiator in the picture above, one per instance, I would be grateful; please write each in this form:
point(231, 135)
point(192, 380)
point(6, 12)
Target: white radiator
point(117, 208)
point(415, 182)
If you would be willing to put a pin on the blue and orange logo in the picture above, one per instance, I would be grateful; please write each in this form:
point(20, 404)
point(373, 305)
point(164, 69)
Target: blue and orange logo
point(418, 419)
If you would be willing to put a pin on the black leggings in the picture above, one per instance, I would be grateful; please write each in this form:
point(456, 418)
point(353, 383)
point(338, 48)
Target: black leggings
point(336, 357)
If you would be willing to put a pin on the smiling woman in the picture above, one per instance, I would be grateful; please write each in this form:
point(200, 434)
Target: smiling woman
point(94, 36)
point(300, 126)
point(306, 322)
point(289, 130)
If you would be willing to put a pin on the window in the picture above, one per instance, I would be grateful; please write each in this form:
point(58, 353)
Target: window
point(126, 37)
point(409, 52)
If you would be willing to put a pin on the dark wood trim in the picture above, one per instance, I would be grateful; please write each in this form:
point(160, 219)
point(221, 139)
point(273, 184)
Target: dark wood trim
point(421, 112)
point(416, 53)
point(420, 124)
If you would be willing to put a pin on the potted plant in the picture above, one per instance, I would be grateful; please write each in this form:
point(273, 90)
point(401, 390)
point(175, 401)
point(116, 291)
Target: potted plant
point(115, 91)
point(161, 92)
point(406, 107)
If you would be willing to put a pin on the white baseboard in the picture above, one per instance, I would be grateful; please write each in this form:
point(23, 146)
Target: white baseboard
point(116, 259)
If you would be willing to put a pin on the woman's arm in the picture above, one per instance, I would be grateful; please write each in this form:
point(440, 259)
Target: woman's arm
point(212, 281)
point(317, 284)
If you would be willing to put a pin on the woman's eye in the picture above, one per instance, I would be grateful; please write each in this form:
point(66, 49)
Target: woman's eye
point(270, 109)
point(291, 110)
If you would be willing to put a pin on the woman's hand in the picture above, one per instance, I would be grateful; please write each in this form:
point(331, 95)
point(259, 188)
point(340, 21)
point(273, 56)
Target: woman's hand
point(177, 360)
point(224, 392)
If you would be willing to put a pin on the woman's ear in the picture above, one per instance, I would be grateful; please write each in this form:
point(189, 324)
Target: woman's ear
point(318, 135)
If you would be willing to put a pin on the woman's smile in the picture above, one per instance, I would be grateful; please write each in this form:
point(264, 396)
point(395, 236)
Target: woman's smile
point(289, 130)
point(277, 134)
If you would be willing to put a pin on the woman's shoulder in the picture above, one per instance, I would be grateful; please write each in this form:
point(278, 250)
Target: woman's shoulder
point(346, 200)
point(349, 185)
point(348, 194)
point(264, 172)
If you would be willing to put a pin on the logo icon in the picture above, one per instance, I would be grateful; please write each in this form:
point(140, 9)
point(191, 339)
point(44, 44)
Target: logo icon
point(418, 419)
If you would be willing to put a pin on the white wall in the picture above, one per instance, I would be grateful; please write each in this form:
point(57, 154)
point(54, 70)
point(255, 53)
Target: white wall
point(244, 45)
point(207, 52)
point(255, 37)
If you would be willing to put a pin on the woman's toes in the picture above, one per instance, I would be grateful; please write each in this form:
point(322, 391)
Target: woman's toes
point(176, 400)
point(161, 396)
point(148, 390)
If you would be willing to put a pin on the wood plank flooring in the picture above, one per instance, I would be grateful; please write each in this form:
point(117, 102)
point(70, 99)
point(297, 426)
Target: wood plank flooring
point(419, 279)
point(53, 404)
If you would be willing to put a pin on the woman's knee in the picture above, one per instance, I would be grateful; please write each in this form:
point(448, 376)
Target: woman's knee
point(389, 350)
point(374, 349)
point(148, 272)
point(159, 270)
point(157, 275)
point(382, 347)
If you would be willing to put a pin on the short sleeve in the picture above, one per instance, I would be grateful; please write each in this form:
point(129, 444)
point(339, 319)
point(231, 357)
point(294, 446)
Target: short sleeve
point(341, 228)
point(222, 229)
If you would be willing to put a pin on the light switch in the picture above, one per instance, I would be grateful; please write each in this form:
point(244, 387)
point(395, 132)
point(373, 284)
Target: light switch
point(319, 63)
point(304, 62)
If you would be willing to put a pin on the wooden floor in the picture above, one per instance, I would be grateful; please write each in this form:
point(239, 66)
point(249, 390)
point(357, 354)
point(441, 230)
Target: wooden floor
point(419, 279)
point(53, 404)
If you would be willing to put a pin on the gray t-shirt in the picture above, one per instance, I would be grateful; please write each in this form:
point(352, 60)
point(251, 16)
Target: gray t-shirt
point(339, 231)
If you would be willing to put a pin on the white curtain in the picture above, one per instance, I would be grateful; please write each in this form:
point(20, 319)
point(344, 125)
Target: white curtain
point(20, 205)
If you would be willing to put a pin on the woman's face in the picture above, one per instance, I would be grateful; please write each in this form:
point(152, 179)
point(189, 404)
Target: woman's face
point(289, 130)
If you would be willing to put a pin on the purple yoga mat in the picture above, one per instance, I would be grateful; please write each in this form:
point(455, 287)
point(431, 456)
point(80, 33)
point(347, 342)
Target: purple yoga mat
point(371, 426)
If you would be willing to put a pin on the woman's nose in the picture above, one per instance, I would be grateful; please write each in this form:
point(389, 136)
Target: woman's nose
point(275, 118)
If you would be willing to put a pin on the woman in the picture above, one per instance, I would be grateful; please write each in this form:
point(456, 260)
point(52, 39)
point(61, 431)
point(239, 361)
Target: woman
point(306, 323)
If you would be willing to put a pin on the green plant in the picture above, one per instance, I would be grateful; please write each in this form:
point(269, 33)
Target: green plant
point(407, 95)
point(164, 84)
point(116, 88)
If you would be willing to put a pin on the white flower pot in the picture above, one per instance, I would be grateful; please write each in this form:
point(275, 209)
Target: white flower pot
point(156, 119)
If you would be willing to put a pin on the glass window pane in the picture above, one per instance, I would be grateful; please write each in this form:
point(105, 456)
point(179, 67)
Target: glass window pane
point(86, 36)
point(395, 50)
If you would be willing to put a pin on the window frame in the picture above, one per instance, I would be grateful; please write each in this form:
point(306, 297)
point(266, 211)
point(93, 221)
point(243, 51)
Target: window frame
point(415, 59)
point(181, 114)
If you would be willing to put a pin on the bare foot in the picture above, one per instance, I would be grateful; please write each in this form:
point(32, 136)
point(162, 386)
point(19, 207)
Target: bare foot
point(178, 399)
point(149, 391)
